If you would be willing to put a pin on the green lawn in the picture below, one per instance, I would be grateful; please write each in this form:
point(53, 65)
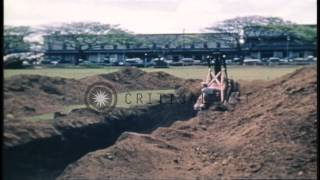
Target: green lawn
point(75, 73)
point(234, 72)
point(197, 72)
point(125, 100)
point(48, 116)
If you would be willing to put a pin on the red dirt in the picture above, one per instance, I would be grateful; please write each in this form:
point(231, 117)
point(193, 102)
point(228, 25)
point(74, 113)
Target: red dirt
point(272, 135)
point(37, 149)
point(136, 79)
point(35, 94)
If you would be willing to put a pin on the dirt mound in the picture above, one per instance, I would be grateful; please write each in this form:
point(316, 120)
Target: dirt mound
point(35, 94)
point(136, 79)
point(271, 135)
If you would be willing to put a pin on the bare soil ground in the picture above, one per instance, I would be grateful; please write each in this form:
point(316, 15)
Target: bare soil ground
point(272, 135)
point(38, 149)
point(35, 94)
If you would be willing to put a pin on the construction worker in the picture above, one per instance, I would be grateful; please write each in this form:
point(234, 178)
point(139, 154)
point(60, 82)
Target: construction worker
point(219, 61)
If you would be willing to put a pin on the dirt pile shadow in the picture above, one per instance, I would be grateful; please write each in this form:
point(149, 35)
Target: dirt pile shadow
point(272, 135)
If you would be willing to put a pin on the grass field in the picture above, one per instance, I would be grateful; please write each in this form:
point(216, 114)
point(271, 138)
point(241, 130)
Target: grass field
point(76, 73)
point(196, 72)
point(124, 100)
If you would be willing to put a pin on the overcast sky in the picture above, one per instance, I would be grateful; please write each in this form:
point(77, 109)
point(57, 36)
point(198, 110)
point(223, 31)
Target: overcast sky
point(154, 16)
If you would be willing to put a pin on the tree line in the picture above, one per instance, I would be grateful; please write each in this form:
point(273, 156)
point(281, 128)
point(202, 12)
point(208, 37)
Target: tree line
point(77, 34)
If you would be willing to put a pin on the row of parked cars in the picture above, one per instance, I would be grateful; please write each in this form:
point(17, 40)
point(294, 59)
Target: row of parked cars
point(156, 62)
point(161, 62)
point(280, 61)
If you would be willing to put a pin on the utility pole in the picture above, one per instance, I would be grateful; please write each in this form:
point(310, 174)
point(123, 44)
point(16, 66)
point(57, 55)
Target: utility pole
point(288, 39)
point(183, 34)
point(145, 59)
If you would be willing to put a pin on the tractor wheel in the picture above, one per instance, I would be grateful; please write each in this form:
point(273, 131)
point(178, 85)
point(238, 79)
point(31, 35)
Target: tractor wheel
point(235, 93)
point(229, 89)
point(232, 92)
point(236, 87)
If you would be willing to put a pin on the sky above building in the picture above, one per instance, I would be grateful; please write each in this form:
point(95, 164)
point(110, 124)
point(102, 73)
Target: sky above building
point(154, 16)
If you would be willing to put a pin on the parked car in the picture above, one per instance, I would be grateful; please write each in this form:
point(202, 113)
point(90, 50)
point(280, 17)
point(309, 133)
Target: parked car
point(187, 61)
point(301, 61)
point(134, 62)
point(26, 63)
point(197, 62)
point(176, 63)
point(168, 61)
point(149, 64)
point(252, 62)
point(116, 63)
point(309, 58)
point(54, 62)
point(86, 63)
point(273, 61)
point(204, 63)
point(284, 61)
point(298, 59)
point(46, 62)
point(159, 58)
point(236, 61)
point(229, 61)
point(160, 64)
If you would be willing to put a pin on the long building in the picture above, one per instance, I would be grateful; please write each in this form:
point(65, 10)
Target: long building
point(70, 48)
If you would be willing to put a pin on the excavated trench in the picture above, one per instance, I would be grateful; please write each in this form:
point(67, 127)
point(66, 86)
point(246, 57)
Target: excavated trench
point(46, 158)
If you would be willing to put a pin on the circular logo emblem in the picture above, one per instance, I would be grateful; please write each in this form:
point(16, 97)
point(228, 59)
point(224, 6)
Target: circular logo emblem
point(101, 97)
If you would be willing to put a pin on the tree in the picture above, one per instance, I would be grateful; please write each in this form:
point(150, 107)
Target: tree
point(304, 33)
point(14, 38)
point(18, 30)
point(233, 30)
